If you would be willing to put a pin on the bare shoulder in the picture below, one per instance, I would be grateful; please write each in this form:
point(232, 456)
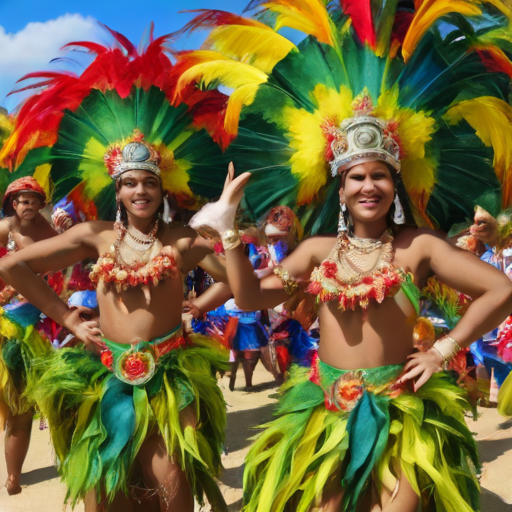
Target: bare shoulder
point(317, 248)
point(418, 238)
point(5, 227)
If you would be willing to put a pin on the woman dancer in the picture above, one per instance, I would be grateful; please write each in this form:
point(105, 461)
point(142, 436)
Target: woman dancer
point(136, 417)
point(340, 418)
point(373, 93)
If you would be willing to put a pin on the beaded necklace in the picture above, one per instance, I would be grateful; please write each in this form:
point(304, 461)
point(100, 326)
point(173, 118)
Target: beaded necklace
point(135, 260)
point(357, 270)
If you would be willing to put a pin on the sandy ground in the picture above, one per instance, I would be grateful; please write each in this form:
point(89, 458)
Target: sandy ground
point(42, 491)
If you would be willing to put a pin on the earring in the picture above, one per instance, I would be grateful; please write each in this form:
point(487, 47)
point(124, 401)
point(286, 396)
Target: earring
point(399, 216)
point(167, 211)
point(341, 223)
point(118, 216)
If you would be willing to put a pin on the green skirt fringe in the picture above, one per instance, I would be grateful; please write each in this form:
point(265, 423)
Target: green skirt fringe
point(421, 435)
point(98, 423)
point(505, 397)
point(18, 347)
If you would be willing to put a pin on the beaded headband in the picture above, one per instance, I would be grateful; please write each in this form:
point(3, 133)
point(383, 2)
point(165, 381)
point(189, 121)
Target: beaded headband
point(363, 138)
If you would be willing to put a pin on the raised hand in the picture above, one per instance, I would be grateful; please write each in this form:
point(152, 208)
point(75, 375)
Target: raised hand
point(220, 216)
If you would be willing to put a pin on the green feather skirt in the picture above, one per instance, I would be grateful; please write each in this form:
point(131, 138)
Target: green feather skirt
point(98, 423)
point(19, 346)
point(363, 426)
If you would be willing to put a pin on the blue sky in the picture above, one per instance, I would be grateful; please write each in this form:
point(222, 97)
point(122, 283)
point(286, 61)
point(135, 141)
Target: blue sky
point(32, 32)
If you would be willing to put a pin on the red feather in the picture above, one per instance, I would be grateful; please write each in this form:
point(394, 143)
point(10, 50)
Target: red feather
point(213, 18)
point(360, 11)
point(124, 41)
point(92, 47)
point(495, 60)
point(38, 120)
point(208, 109)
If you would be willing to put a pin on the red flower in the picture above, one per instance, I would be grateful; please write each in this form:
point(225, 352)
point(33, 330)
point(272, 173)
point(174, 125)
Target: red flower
point(135, 366)
point(107, 359)
point(330, 269)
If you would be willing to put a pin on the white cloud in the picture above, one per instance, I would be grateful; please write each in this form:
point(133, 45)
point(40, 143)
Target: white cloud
point(32, 48)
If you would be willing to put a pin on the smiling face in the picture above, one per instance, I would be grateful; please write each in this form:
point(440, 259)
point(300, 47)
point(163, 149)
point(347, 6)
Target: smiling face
point(27, 205)
point(140, 192)
point(368, 191)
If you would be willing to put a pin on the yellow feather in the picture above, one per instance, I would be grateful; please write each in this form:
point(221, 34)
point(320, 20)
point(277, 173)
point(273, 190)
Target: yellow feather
point(505, 6)
point(8, 147)
point(308, 163)
point(418, 176)
point(231, 73)
point(308, 16)
point(42, 176)
point(243, 78)
point(491, 118)
point(93, 169)
point(427, 13)
point(261, 47)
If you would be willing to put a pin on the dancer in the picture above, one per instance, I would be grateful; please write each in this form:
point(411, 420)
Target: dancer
point(380, 96)
point(22, 226)
point(136, 417)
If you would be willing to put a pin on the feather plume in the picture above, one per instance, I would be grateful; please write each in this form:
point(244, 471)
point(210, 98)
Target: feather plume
point(427, 13)
point(233, 74)
point(494, 58)
point(308, 16)
point(208, 18)
point(491, 118)
point(261, 47)
point(362, 20)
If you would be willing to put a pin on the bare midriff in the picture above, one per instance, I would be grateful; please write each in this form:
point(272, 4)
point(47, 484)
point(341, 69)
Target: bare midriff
point(378, 336)
point(125, 317)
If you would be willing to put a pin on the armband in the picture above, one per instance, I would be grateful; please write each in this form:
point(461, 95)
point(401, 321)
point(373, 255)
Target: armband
point(447, 347)
point(231, 239)
point(290, 284)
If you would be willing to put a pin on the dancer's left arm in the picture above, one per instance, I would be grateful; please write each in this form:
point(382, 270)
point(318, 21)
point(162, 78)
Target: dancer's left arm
point(490, 289)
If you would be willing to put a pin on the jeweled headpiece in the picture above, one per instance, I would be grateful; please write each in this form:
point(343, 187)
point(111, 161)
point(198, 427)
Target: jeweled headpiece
point(136, 154)
point(364, 137)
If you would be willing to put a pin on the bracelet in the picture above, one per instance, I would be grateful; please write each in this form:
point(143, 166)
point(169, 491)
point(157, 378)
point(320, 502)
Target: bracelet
point(231, 239)
point(290, 284)
point(447, 347)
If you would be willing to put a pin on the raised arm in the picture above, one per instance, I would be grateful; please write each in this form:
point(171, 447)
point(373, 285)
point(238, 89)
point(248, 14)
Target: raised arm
point(250, 292)
point(253, 294)
point(21, 268)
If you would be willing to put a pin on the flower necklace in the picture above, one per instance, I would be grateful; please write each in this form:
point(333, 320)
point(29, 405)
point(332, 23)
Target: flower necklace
point(357, 270)
point(136, 259)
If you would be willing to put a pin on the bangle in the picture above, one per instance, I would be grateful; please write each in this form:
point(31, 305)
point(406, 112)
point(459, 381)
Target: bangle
point(231, 239)
point(290, 284)
point(447, 347)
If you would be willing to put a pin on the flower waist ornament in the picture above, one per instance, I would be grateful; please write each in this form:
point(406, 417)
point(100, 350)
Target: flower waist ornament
point(136, 364)
point(348, 389)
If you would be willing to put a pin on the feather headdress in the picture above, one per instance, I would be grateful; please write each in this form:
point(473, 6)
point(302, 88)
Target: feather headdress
point(437, 74)
point(71, 125)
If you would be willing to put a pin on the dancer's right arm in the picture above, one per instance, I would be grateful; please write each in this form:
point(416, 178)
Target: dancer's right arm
point(250, 292)
point(21, 268)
